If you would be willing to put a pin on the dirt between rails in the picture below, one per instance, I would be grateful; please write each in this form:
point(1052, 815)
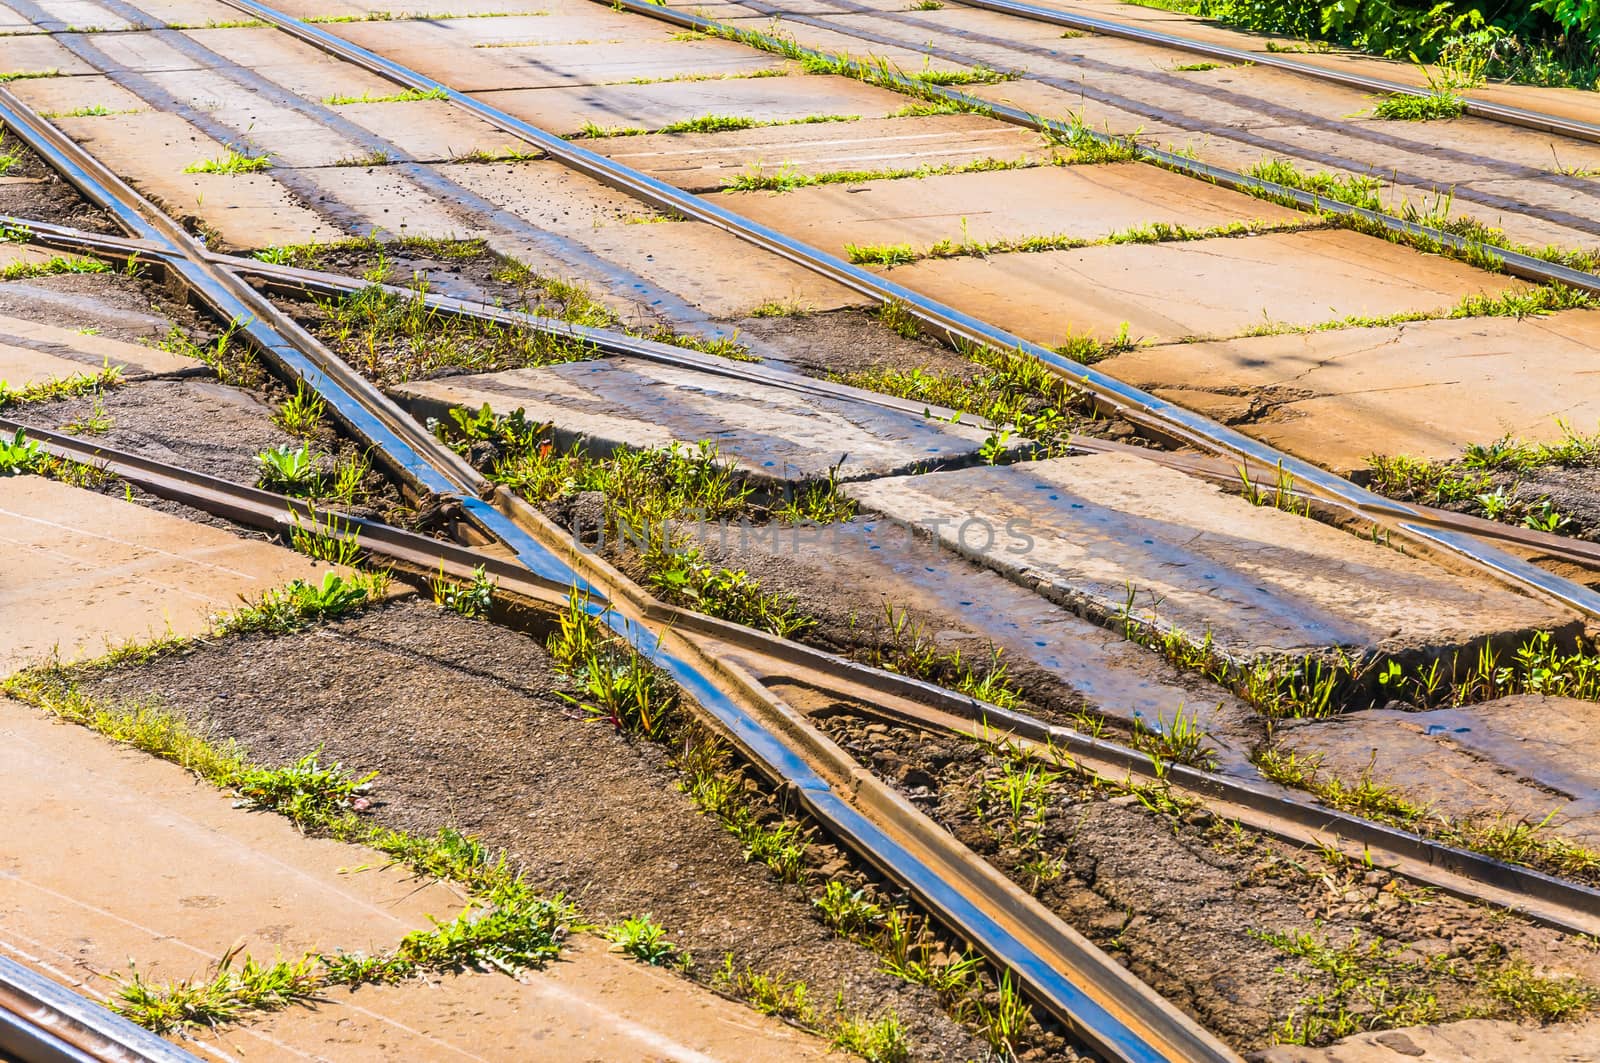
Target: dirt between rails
point(32, 190)
point(1179, 902)
point(460, 719)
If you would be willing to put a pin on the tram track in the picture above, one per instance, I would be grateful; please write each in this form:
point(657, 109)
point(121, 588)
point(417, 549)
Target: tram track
point(836, 771)
point(1113, 1013)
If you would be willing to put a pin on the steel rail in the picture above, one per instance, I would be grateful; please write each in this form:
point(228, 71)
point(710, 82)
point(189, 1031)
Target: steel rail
point(1130, 402)
point(1265, 806)
point(43, 1022)
point(1107, 1008)
point(1477, 108)
point(298, 282)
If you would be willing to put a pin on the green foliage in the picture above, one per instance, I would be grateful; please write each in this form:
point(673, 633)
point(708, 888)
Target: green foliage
point(292, 470)
point(51, 267)
point(230, 994)
point(606, 677)
point(848, 911)
point(18, 454)
point(408, 96)
point(61, 387)
point(645, 940)
point(884, 1039)
point(474, 598)
point(1404, 107)
point(306, 792)
point(300, 603)
point(905, 646)
point(786, 179)
point(232, 162)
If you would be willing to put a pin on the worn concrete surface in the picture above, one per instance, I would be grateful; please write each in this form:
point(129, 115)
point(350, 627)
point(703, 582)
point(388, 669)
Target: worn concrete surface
point(1522, 757)
point(1427, 388)
point(1085, 202)
point(115, 856)
point(771, 432)
point(703, 162)
point(1199, 288)
point(1259, 580)
point(1470, 1041)
point(87, 571)
point(31, 353)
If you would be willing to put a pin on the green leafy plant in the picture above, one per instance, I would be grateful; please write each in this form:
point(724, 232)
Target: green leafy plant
point(230, 163)
point(643, 939)
point(475, 598)
point(18, 454)
point(293, 470)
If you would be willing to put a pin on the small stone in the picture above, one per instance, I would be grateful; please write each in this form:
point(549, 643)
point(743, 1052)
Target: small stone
point(1395, 1041)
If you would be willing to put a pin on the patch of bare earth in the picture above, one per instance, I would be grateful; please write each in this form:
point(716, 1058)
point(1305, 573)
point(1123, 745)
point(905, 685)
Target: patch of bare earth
point(460, 719)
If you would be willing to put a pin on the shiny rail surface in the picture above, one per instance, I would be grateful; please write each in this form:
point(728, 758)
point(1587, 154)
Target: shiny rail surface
point(43, 1022)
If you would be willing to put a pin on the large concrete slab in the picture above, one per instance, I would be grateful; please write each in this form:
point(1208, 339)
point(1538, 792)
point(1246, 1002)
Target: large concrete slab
point(1201, 288)
point(1427, 388)
point(1523, 757)
point(770, 432)
point(86, 570)
point(31, 353)
point(703, 162)
point(1089, 532)
point(1086, 202)
point(1470, 1041)
point(565, 111)
point(112, 855)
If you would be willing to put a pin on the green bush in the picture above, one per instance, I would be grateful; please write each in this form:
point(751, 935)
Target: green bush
point(1544, 42)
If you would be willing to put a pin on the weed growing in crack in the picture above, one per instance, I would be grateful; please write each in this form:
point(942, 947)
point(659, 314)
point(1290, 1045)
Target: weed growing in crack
point(300, 603)
point(646, 941)
point(408, 96)
point(292, 470)
point(785, 179)
point(324, 537)
point(231, 993)
point(883, 1039)
point(305, 791)
point(608, 679)
point(475, 598)
point(231, 361)
point(848, 911)
point(96, 422)
point(232, 162)
point(60, 388)
point(906, 647)
point(52, 267)
point(1180, 741)
point(301, 413)
point(375, 157)
point(1005, 388)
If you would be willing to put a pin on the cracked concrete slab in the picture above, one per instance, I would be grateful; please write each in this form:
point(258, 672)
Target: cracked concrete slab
point(31, 353)
point(1089, 532)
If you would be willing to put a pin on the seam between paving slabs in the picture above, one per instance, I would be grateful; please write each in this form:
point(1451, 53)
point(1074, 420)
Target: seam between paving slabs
point(1134, 403)
point(1113, 1012)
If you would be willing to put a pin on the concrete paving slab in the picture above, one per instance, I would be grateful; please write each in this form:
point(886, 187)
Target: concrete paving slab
point(551, 195)
point(32, 353)
point(32, 54)
point(190, 12)
point(1469, 1041)
point(565, 111)
point(771, 433)
point(1426, 389)
point(1086, 202)
point(828, 41)
point(1259, 580)
point(115, 855)
point(151, 150)
point(431, 130)
point(605, 63)
point(1522, 757)
point(87, 569)
point(296, 66)
point(701, 162)
point(1222, 287)
point(54, 96)
point(14, 24)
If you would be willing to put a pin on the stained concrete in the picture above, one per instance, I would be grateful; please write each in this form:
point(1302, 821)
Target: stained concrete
point(31, 353)
point(701, 162)
point(1084, 202)
point(184, 877)
point(1427, 388)
point(1470, 1041)
point(1198, 288)
point(86, 571)
point(770, 432)
point(565, 111)
point(1522, 758)
point(1259, 580)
